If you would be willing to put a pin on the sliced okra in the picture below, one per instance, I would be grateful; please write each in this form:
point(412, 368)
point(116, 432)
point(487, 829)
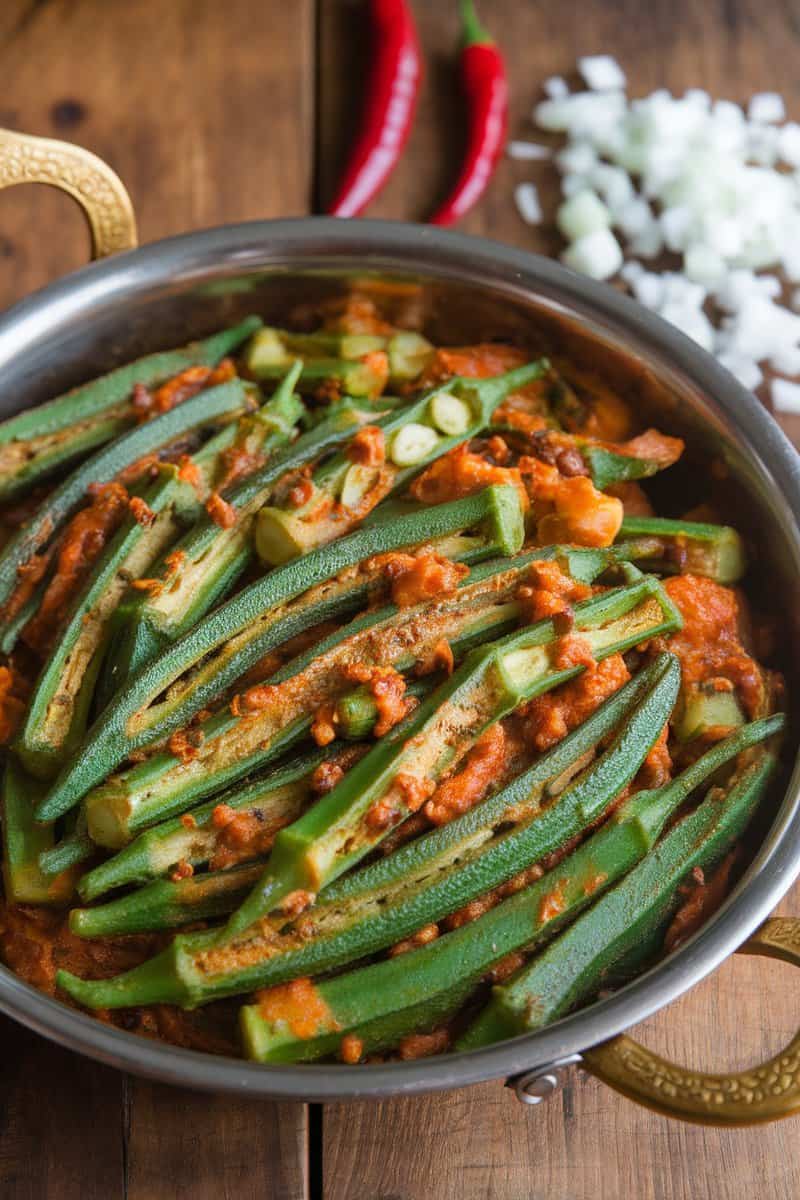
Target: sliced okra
point(200, 411)
point(668, 546)
point(572, 969)
point(41, 440)
point(342, 492)
point(235, 636)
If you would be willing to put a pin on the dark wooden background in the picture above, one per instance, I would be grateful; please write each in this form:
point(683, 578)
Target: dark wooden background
point(214, 112)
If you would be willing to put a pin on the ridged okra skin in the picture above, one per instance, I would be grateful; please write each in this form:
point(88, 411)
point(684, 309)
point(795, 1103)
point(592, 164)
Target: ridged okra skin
point(423, 881)
point(624, 920)
point(483, 607)
point(237, 634)
point(493, 680)
point(58, 710)
point(336, 832)
point(381, 1003)
point(208, 560)
point(446, 869)
point(343, 492)
point(24, 840)
point(667, 546)
point(39, 441)
point(205, 409)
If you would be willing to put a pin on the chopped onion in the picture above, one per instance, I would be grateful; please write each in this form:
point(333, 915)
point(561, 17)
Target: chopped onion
point(555, 88)
point(528, 151)
point(597, 254)
point(786, 396)
point(528, 206)
point(767, 107)
point(601, 72)
point(703, 179)
point(582, 214)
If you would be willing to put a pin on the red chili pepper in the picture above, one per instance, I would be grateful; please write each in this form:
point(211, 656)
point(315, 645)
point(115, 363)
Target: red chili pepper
point(394, 80)
point(483, 77)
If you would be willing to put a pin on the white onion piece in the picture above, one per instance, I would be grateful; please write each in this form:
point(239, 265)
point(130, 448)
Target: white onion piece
point(786, 396)
point(527, 201)
point(597, 254)
point(601, 72)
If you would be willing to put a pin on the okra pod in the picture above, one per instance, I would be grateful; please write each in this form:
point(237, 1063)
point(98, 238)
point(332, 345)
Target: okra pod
point(416, 884)
point(571, 970)
point(58, 710)
point(41, 440)
point(340, 356)
point(668, 546)
point(394, 777)
point(275, 800)
point(440, 872)
point(165, 904)
point(236, 635)
point(133, 640)
point(75, 847)
point(23, 841)
point(343, 492)
point(232, 746)
point(201, 410)
point(59, 706)
point(380, 1003)
point(206, 562)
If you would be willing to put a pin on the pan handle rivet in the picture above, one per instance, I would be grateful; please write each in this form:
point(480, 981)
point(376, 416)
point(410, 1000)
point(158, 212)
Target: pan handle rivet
point(533, 1087)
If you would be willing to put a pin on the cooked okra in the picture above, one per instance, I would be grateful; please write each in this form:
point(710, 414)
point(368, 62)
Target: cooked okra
point(354, 696)
point(40, 441)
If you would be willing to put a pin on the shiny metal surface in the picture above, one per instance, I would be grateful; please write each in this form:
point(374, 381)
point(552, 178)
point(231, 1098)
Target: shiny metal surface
point(185, 286)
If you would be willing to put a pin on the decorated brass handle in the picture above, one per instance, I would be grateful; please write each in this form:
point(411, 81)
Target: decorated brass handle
point(763, 1093)
point(99, 191)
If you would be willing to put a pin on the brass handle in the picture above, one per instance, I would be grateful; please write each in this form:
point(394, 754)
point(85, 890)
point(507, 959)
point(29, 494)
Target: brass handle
point(99, 191)
point(763, 1093)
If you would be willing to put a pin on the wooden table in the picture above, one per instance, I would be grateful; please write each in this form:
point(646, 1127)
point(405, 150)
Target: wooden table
point(225, 112)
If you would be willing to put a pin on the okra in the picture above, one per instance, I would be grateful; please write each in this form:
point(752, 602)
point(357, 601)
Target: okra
point(668, 546)
point(75, 847)
point(35, 443)
point(207, 561)
point(703, 709)
point(339, 356)
point(438, 873)
point(59, 706)
point(262, 433)
point(381, 1003)
point(236, 635)
point(23, 841)
point(277, 799)
point(201, 410)
point(164, 903)
point(232, 746)
point(394, 776)
point(344, 492)
point(416, 883)
point(572, 969)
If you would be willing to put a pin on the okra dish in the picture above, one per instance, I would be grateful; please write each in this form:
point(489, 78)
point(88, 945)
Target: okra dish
point(357, 703)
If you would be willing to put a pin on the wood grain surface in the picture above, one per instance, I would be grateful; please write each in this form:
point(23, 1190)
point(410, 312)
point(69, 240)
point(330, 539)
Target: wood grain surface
point(222, 112)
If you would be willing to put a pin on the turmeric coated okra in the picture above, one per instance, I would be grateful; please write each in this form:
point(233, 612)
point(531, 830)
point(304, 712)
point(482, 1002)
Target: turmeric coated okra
point(432, 876)
point(382, 1003)
point(39, 441)
point(230, 744)
point(331, 679)
point(203, 410)
point(234, 637)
